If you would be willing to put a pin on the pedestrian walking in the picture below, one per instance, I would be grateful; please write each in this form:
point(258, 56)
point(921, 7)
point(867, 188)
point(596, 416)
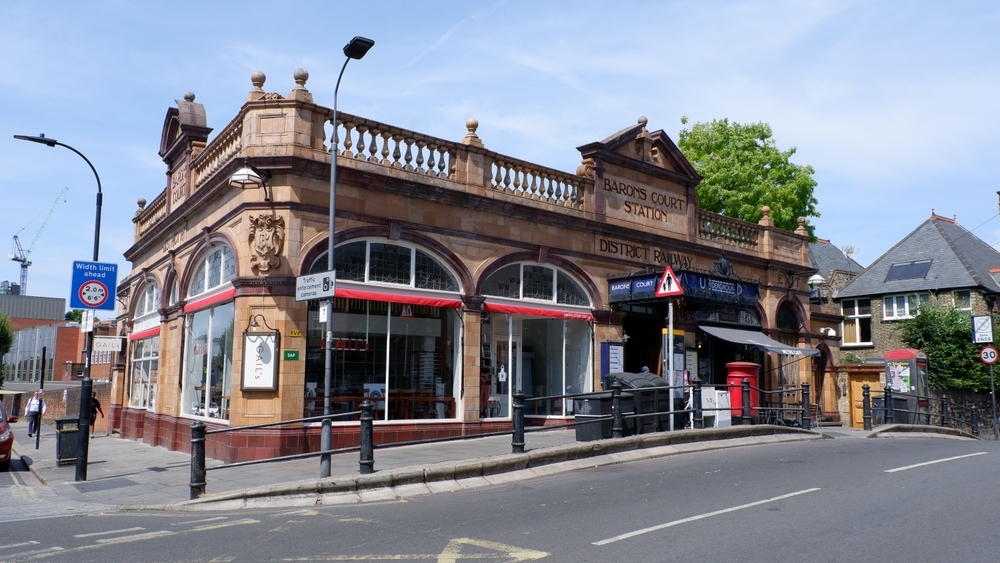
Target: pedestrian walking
point(34, 409)
point(95, 407)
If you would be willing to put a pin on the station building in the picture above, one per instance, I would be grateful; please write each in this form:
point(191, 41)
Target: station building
point(462, 275)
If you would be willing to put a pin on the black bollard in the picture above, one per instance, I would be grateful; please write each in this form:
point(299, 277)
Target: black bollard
point(616, 409)
point(806, 414)
point(944, 410)
point(197, 459)
point(975, 421)
point(699, 416)
point(517, 443)
point(866, 394)
point(888, 405)
point(747, 419)
point(367, 437)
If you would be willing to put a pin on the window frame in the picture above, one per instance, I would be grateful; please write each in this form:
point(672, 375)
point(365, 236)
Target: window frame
point(557, 273)
point(954, 299)
point(916, 297)
point(345, 275)
point(857, 319)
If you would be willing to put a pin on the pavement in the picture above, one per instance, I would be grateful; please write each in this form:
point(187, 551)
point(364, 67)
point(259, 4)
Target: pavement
point(131, 475)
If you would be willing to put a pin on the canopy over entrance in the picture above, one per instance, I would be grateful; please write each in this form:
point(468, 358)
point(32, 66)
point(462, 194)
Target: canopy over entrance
point(757, 340)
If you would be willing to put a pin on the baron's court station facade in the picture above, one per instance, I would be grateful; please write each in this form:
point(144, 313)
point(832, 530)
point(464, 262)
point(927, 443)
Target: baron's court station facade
point(462, 275)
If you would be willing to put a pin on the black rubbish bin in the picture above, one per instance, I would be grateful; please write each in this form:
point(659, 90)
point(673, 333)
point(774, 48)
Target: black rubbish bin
point(67, 439)
point(588, 411)
point(651, 394)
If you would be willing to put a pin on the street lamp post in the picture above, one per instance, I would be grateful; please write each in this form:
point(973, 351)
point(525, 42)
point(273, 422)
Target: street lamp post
point(83, 434)
point(356, 49)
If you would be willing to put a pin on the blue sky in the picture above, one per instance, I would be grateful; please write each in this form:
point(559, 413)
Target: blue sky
point(894, 103)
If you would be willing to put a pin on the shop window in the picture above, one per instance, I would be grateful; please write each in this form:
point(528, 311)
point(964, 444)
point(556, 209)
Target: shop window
point(857, 325)
point(145, 356)
point(145, 366)
point(208, 340)
point(535, 282)
point(401, 356)
point(895, 307)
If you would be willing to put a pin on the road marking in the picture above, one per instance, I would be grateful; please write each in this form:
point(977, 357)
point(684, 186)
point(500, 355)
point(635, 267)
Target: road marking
point(452, 553)
point(22, 544)
point(34, 552)
point(225, 525)
point(108, 532)
point(136, 537)
point(702, 516)
point(199, 521)
point(933, 462)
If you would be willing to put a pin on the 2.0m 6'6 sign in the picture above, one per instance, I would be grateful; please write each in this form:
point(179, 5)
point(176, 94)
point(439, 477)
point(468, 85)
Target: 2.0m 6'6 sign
point(94, 286)
point(988, 355)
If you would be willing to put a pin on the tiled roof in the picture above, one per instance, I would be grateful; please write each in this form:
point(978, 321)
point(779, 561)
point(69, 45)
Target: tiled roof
point(959, 259)
point(826, 257)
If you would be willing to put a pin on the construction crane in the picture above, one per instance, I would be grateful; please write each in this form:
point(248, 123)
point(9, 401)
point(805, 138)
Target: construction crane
point(19, 254)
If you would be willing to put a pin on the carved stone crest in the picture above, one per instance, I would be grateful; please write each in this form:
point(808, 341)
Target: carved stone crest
point(267, 235)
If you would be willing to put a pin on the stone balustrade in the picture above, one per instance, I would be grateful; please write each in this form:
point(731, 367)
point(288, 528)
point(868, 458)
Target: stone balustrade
point(370, 141)
point(727, 231)
point(517, 177)
point(149, 215)
point(223, 149)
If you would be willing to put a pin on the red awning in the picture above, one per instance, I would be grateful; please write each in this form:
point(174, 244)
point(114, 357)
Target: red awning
point(209, 301)
point(145, 334)
point(390, 297)
point(538, 312)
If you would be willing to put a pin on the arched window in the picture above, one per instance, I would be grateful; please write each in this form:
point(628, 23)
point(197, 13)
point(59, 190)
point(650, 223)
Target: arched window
point(213, 271)
point(786, 319)
point(384, 262)
point(145, 351)
point(208, 337)
point(396, 334)
point(537, 283)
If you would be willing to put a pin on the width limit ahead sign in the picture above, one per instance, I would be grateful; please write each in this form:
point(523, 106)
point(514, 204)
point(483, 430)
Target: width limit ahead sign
point(94, 286)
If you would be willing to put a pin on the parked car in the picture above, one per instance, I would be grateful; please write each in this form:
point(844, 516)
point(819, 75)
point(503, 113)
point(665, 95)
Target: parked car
point(6, 440)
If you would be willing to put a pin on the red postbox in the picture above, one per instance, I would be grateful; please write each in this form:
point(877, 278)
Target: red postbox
point(736, 372)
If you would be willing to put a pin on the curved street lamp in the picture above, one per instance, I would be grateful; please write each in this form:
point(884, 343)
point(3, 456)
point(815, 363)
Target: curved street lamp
point(86, 387)
point(356, 49)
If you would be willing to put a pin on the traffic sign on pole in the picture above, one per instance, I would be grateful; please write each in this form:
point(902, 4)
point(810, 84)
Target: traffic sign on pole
point(982, 330)
point(669, 285)
point(988, 355)
point(315, 286)
point(94, 286)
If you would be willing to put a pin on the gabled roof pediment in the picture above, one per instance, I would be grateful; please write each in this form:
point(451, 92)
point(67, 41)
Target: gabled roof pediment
point(635, 143)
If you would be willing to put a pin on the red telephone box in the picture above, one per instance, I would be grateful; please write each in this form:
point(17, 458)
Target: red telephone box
point(906, 373)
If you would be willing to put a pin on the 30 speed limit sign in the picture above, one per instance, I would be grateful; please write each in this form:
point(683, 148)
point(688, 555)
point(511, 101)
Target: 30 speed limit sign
point(988, 355)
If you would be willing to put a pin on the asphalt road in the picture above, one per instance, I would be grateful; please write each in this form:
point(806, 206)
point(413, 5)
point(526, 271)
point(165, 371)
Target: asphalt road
point(847, 499)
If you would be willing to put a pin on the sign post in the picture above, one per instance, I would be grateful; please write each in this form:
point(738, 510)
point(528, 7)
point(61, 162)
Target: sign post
point(670, 286)
point(989, 356)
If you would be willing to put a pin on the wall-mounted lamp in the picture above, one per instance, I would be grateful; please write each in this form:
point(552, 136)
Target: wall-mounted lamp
point(816, 279)
point(250, 177)
point(254, 325)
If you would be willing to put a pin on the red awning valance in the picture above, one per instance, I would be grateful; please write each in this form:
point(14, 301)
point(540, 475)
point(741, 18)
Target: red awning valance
point(209, 301)
point(390, 297)
point(145, 334)
point(538, 311)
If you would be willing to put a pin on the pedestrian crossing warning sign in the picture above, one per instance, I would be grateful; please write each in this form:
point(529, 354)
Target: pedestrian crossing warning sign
point(669, 285)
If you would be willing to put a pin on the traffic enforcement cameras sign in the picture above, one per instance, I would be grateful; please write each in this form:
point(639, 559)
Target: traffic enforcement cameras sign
point(94, 286)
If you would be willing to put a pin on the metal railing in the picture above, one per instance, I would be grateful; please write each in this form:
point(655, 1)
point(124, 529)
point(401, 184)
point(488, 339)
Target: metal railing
point(951, 414)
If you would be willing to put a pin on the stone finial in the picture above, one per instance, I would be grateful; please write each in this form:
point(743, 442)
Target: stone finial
point(765, 220)
point(189, 96)
point(643, 121)
point(141, 202)
point(801, 230)
point(257, 78)
point(472, 124)
point(300, 75)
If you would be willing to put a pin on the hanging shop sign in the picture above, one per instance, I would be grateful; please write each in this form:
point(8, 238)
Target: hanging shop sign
point(260, 361)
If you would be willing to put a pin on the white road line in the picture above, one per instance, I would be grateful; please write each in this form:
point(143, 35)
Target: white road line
point(35, 552)
point(186, 522)
point(933, 462)
point(136, 537)
point(702, 516)
point(22, 544)
point(108, 532)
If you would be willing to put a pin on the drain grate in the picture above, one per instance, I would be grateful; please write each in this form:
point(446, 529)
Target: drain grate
point(93, 486)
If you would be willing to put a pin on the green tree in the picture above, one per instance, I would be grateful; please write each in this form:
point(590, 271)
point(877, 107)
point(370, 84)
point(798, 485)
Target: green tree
point(945, 335)
point(743, 170)
point(75, 315)
point(6, 341)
